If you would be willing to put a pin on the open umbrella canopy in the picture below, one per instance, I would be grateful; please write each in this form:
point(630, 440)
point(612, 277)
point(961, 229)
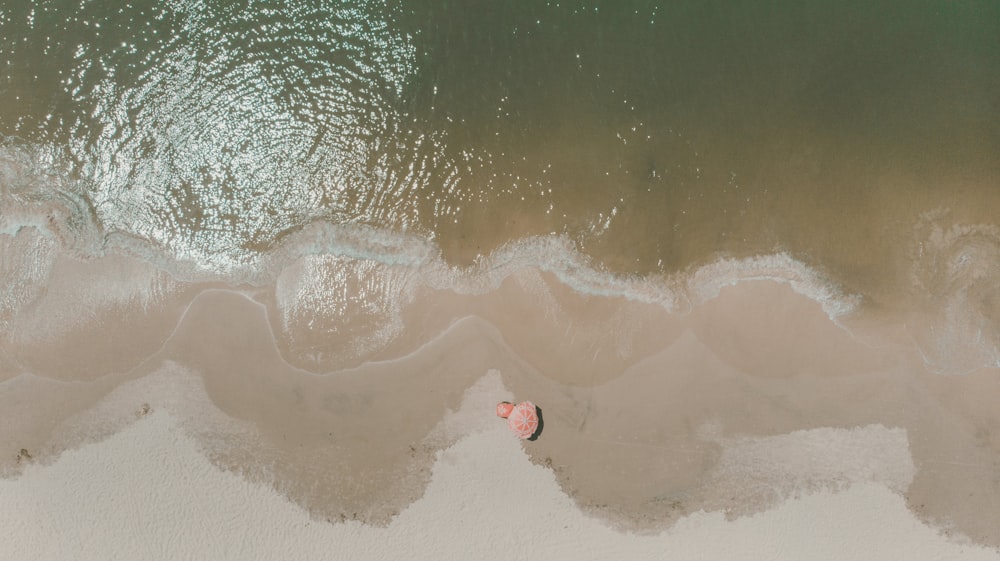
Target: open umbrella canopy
point(523, 419)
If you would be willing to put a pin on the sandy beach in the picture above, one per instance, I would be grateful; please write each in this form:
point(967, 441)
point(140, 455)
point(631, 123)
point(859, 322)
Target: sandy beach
point(152, 493)
point(749, 426)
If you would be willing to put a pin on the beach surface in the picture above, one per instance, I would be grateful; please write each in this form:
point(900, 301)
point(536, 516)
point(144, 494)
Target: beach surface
point(151, 493)
point(749, 426)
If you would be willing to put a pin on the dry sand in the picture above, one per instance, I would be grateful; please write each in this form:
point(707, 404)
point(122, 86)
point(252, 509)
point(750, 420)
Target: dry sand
point(751, 426)
point(150, 493)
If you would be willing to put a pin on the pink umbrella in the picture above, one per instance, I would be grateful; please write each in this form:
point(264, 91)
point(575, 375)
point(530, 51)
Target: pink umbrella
point(521, 418)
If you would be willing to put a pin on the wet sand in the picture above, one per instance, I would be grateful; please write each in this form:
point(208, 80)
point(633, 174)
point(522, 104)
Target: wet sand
point(153, 494)
point(748, 400)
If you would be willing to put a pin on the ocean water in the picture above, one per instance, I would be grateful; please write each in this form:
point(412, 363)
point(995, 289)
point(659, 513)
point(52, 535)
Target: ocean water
point(628, 147)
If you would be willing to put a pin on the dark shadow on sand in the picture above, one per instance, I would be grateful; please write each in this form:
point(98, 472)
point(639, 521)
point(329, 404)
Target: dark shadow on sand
point(541, 423)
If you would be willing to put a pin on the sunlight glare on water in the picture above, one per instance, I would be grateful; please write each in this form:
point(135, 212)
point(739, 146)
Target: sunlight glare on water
point(246, 123)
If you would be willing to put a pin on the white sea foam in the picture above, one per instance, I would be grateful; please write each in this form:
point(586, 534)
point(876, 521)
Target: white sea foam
point(38, 171)
point(956, 273)
point(558, 255)
point(705, 282)
point(365, 276)
point(313, 268)
point(37, 190)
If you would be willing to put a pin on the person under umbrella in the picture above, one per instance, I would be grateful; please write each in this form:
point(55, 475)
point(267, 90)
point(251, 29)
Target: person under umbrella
point(522, 419)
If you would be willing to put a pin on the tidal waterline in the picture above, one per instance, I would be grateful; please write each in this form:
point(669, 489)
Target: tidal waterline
point(655, 135)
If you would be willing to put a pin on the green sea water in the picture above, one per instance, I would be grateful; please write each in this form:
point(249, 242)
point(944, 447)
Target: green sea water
point(655, 136)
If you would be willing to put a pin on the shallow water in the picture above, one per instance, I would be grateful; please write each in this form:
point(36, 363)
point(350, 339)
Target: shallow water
point(650, 138)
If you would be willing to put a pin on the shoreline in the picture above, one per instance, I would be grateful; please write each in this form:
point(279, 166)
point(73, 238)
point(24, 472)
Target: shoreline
point(643, 408)
point(482, 490)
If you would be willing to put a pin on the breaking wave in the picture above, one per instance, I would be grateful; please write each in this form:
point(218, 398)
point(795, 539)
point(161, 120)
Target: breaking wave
point(356, 279)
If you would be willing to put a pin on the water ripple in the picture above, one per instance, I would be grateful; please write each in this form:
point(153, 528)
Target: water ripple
point(248, 123)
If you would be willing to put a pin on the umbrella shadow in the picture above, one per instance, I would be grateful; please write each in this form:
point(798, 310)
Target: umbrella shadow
point(541, 423)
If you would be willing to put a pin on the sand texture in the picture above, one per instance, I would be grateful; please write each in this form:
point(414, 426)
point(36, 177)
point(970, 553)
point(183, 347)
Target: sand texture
point(152, 494)
point(752, 415)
